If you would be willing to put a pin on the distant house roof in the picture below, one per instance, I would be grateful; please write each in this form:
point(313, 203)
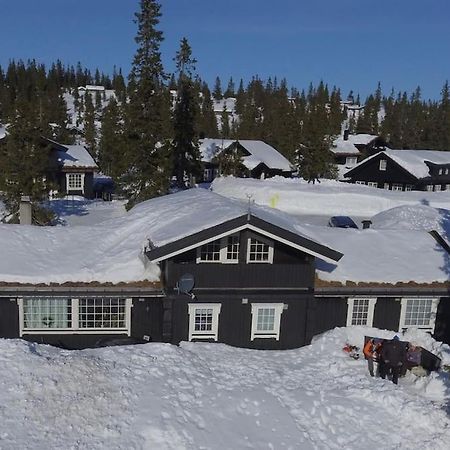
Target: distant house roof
point(259, 152)
point(73, 156)
point(413, 161)
point(349, 146)
point(91, 87)
point(76, 156)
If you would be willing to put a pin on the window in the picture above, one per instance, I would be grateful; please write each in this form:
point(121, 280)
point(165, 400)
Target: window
point(446, 171)
point(408, 187)
point(204, 320)
point(69, 315)
point(447, 187)
point(386, 186)
point(351, 160)
point(266, 320)
point(259, 250)
point(360, 311)
point(208, 174)
point(429, 187)
point(75, 182)
point(383, 165)
point(372, 184)
point(441, 171)
point(225, 250)
point(437, 187)
point(418, 313)
point(210, 251)
point(360, 182)
point(397, 187)
point(98, 313)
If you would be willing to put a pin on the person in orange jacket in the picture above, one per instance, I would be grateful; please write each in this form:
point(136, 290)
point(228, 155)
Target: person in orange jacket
point(372, 351)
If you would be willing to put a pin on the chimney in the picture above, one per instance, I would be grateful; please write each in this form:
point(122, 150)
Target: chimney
point(25, 210)
point(346, 133)
point(366, 224)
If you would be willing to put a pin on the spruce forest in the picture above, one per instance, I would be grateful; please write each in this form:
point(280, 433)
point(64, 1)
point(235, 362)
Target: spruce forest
point(145, 135)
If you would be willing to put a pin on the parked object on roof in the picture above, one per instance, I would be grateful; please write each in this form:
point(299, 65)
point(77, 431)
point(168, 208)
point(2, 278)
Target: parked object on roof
point(342, 222)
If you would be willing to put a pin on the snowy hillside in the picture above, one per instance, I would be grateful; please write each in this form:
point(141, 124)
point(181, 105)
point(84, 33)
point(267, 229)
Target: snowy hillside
point(211, 396)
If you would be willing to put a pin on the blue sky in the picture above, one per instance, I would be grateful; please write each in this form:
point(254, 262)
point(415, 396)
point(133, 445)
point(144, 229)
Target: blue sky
point(349, 43)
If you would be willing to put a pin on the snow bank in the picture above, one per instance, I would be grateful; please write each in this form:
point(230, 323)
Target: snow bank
point(212, 396)
point(329, 197)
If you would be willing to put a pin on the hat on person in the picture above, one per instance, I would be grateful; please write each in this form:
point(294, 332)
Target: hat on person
point(395, 338)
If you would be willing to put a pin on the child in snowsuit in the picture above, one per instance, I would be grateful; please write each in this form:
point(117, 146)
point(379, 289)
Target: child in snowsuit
point(393, 356)
point(372, 352)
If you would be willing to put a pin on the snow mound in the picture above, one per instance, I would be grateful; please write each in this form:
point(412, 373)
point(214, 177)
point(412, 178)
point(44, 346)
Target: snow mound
point(213, 396)
point(417, 217)
point(329, 197)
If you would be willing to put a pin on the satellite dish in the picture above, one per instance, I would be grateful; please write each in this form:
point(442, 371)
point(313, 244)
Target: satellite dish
point(185, 284)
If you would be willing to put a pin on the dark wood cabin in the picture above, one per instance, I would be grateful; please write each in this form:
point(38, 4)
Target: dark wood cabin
point(404, 170)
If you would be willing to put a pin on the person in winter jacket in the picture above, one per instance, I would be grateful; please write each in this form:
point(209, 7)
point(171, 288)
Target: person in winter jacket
point(372, 351)
point(393, 356)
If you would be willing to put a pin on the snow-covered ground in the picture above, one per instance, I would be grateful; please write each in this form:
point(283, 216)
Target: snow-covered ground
point(75, 210)
point(211, 396)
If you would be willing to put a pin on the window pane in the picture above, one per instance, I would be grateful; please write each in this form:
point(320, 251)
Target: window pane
point(258, 251)
point(102, 313)
point(210, 251)
point(418, 312)
point(233, 248)
point(265, 319)
point(47, 313)
point(203, 319)
point(360, 311)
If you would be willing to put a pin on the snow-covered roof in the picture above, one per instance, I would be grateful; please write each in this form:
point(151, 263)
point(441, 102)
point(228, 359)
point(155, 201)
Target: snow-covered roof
point(383, 256)
point(413, 161)
point(260, 152)
point(348, 146)
point(92, 87)
point(114, 251)
point(229, 104)
point(76, 156)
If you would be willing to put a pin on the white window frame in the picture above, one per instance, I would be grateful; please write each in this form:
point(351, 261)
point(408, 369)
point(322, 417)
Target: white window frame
point(383, 165)
point(446, 171)
point(267, 334)
point(351, 160)
point(447, 187)
point(205, 334)
point(386, 186)
point(208, 174)
point(372, 184)
point(434, 306)
point(437, 188)
point(69, 188)
point(223, 259)
point(370, 312)
point(397, 187)
point(440, 171)
point(408, 187)
point(264, 241)
point(360, 182)
point(429, 187)
point(75, 320)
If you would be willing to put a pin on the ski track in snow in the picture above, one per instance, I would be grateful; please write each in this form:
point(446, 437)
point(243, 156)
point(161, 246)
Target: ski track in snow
point(212, 396)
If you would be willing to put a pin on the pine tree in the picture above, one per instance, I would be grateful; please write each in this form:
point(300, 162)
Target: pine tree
point(185, 151)
point(207, 122)
point(90, 132)
point(217, 91)
point(230, 89)
point(147, 174)
point(111, 145)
